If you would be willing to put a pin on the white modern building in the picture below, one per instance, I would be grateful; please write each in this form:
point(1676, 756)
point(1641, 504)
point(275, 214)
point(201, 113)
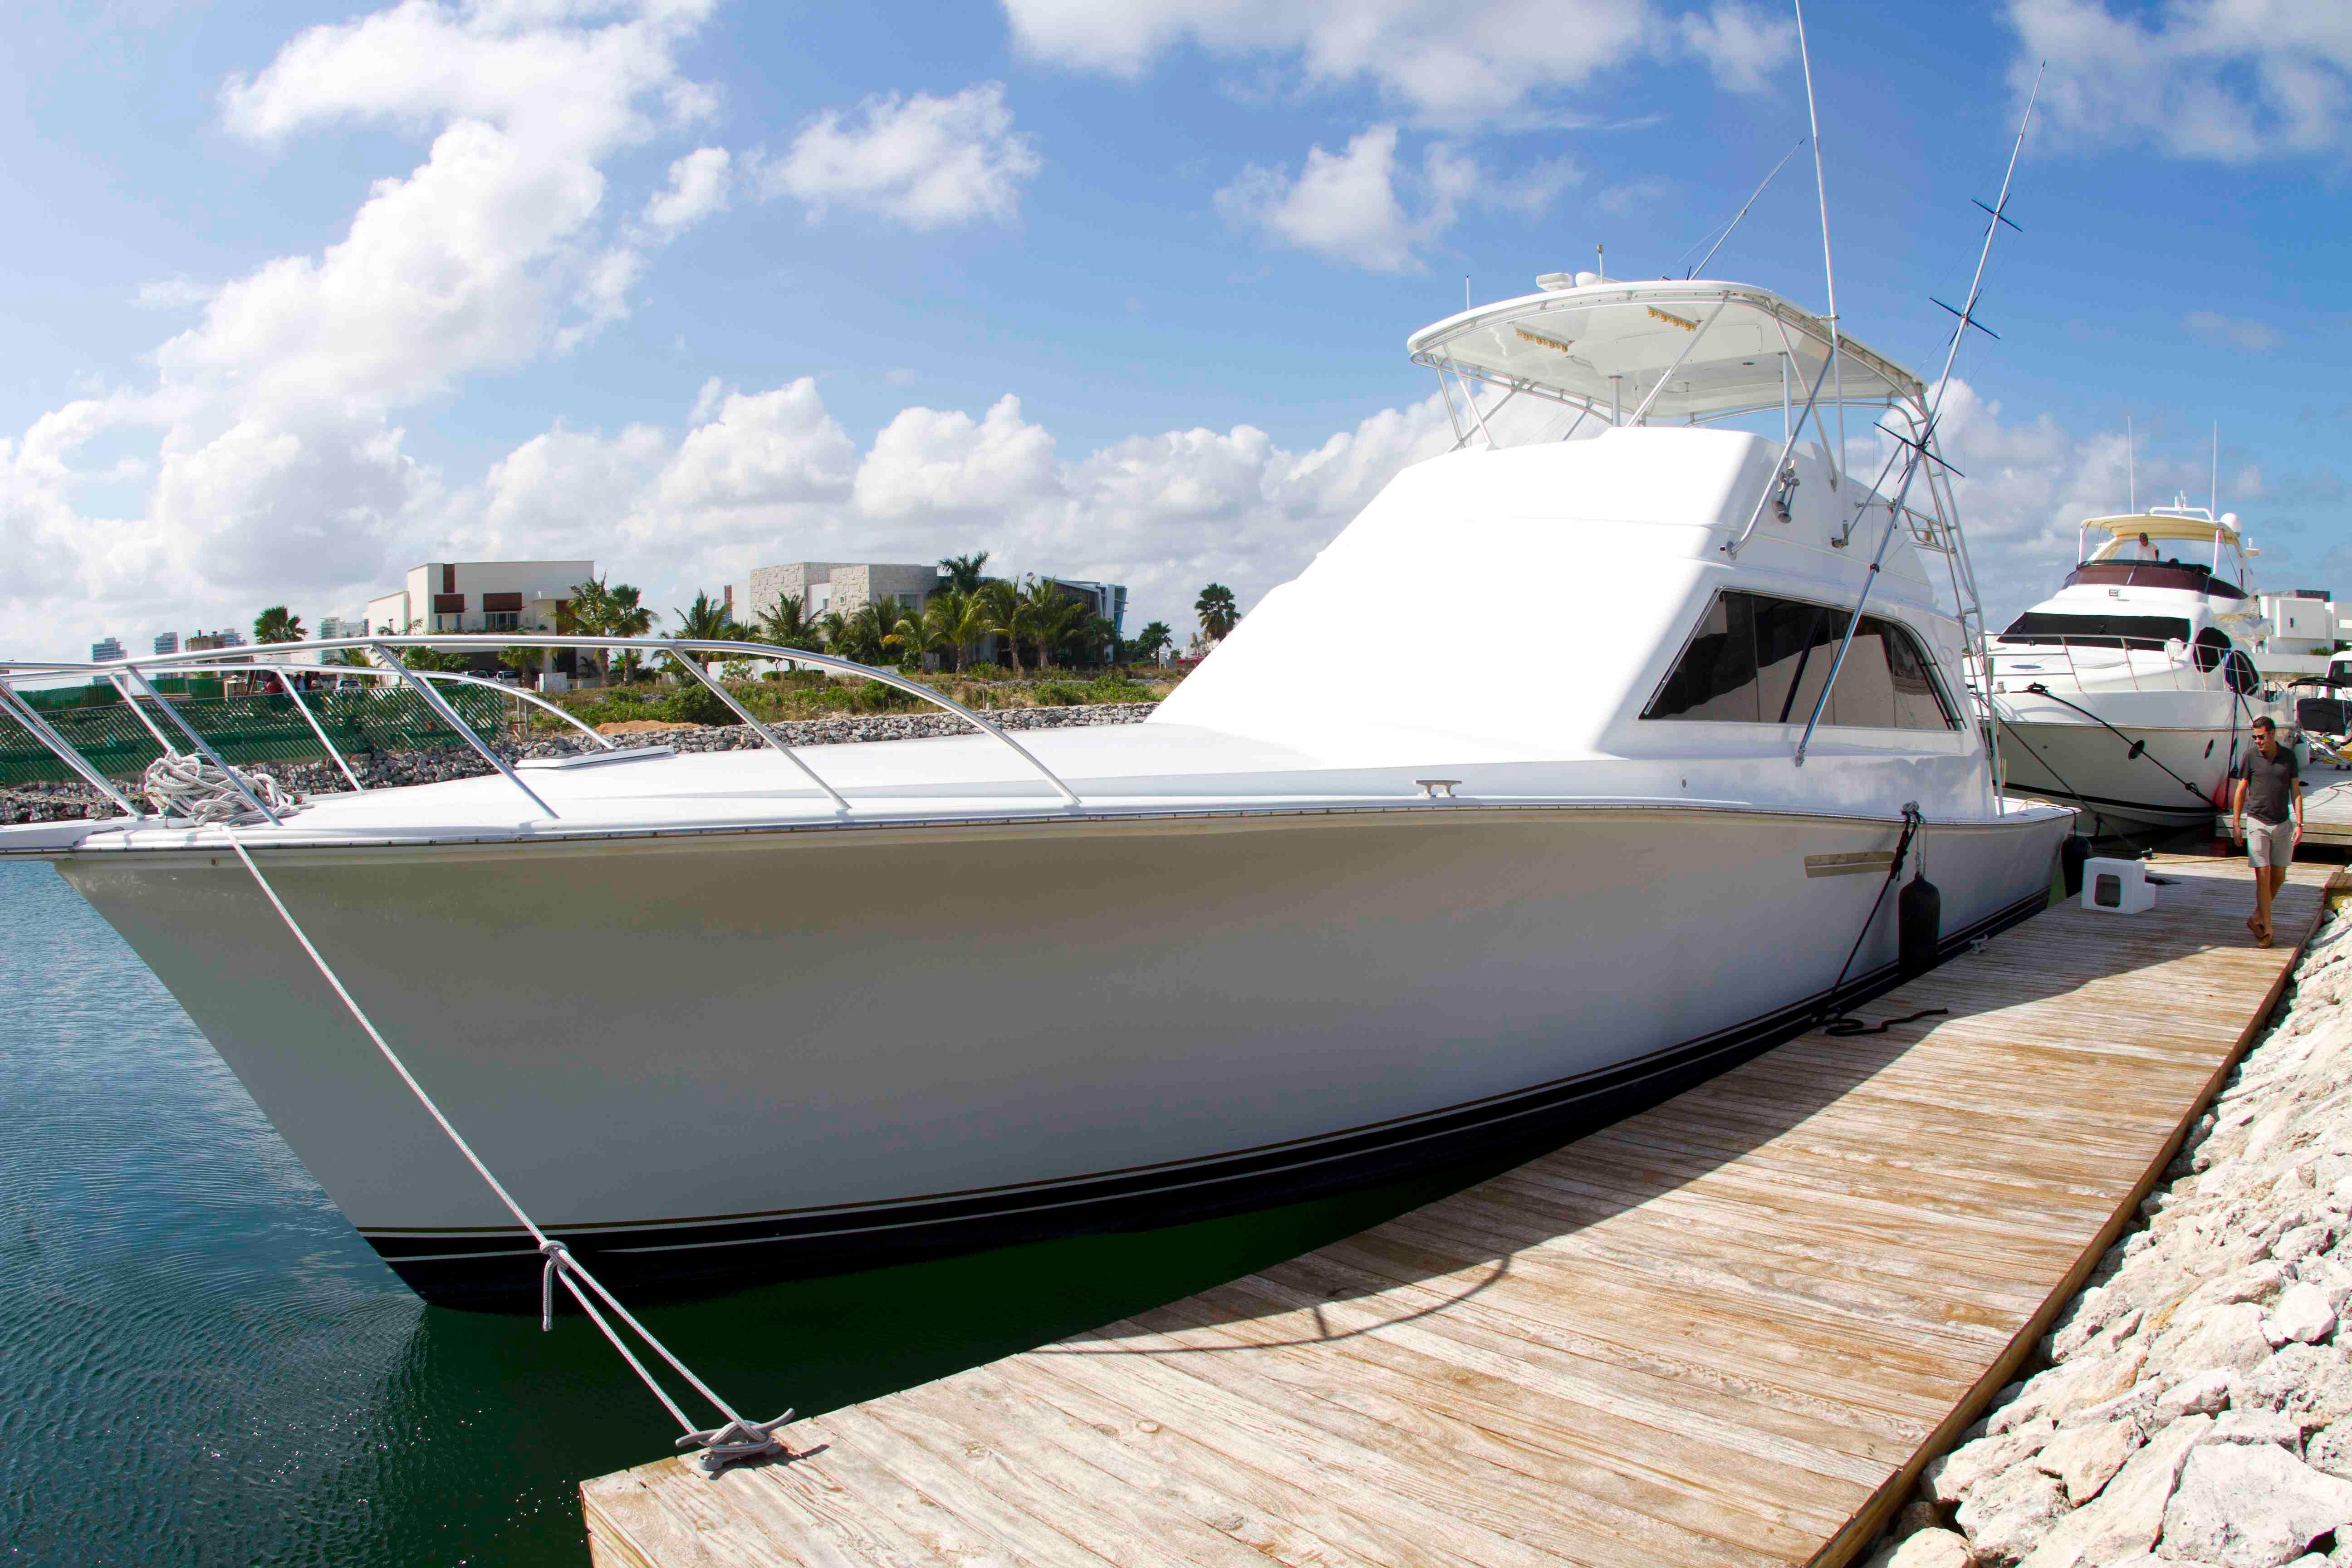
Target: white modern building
point(167, 642)
point(479, 596)
point(105, 650)
point(2300, 628)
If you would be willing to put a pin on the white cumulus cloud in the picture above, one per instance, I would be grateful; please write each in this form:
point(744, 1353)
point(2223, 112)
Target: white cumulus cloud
point(1450, 62)
point(280, 467)
point(1351, 206)
point(2230, 80)
point(927, 162)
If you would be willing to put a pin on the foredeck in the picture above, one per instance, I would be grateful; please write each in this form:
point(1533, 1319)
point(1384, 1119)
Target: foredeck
point(1726, 1331)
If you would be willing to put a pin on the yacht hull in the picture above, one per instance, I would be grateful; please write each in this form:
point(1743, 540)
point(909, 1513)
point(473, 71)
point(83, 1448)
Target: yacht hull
point(707, 1060)
point(2087, 765)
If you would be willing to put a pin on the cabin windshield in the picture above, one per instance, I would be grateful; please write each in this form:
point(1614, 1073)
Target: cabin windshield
point(2053, 628)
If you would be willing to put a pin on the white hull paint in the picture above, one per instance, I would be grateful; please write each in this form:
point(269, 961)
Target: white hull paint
point(2058, 754)
point(818, 1048)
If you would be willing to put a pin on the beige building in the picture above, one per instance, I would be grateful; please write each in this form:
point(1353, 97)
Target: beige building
point(828, 585)
point(479, 596)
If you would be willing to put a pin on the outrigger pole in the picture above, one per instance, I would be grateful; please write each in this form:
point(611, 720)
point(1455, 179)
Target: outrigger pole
point(1921, 446)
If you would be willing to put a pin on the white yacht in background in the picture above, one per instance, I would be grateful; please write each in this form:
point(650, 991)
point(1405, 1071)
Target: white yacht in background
point(2131, 691)
point(732, 1015)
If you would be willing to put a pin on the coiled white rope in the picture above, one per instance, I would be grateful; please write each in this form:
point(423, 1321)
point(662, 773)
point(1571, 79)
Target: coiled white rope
point(733, 1439)
point(192, 787)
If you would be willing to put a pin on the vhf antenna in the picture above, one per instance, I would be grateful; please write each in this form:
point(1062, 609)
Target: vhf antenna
point(1829, 268)
point(1752, 199)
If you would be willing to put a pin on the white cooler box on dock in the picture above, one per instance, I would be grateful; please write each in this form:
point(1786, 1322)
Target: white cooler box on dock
point(2117, 886)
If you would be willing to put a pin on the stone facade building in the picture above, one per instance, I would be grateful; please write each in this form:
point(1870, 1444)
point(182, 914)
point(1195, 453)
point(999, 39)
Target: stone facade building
point(828, 585)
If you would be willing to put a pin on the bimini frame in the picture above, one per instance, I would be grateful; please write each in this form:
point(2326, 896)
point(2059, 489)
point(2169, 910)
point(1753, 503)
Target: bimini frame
point(285, 661)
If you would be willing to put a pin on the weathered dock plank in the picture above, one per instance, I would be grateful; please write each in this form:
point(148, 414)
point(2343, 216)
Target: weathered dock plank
point(2326, 808)
point(1726, 1332)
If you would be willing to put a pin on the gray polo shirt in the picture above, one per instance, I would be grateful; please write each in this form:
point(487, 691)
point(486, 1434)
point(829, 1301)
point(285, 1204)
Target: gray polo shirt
point(2269, 783)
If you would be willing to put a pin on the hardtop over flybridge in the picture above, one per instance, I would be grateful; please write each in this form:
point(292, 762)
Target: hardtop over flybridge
point(892, 999)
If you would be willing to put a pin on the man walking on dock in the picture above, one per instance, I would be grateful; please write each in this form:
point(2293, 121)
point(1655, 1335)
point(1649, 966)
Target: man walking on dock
point(2268, 788)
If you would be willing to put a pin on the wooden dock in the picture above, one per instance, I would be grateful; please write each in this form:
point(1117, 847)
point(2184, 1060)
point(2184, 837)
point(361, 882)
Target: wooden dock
point(2326, 808)
point(1726, 1331)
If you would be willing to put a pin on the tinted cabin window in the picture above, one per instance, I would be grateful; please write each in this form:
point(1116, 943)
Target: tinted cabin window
point(1716, 677)
point(2095, 631)
point(1918, 705)
point(1794, 645)
point(1757, 658)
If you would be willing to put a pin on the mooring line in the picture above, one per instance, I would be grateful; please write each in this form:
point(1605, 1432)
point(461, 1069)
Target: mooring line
point(734, 1439)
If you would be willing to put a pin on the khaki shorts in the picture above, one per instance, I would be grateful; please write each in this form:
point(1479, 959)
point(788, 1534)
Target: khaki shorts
point(2270, 843)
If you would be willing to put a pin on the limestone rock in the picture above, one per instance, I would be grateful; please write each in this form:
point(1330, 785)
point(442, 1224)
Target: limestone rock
point(2313, 1384)
point(2007, 1514)
point(2301, 1314)
point(2203, 1393)
point(2228, 1335)
point(2330, 1450)
point(2258, 1425)
point(2251, 1506)
point(1926, 1549)
point(2128, 1514)
point(1948, 1477)
point(2084, 1458)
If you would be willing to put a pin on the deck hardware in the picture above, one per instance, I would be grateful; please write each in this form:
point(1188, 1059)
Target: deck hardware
point(449, 716)
point(235, 779)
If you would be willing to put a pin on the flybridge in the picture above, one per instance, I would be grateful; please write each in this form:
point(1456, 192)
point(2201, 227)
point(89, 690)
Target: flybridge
point(1679, 350)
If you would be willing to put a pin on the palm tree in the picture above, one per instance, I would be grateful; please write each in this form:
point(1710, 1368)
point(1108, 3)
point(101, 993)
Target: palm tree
point(962, 571)
point(1054, 614)
point(704, 620)
point(600, 609)
point(832, 629)
point(866, 634)
point(1095, 638)
point(956, 621)
point(1217, 611)
point(1007, 613)
point(785, 623)
point(274, 625)
point(1152, 641)
point(913, 633)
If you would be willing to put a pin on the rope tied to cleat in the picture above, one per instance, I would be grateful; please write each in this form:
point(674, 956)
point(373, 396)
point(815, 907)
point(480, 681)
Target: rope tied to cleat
point(207, 794)
point(733, 1440)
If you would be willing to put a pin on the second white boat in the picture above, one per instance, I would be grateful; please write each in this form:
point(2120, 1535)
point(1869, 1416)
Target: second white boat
point(2130, 692)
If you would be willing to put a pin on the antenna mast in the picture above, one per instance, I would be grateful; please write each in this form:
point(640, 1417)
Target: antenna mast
point(1829, 268)
point(2131, 467)
point(2213, 504)
point(1920, 448)
point(1742, 212)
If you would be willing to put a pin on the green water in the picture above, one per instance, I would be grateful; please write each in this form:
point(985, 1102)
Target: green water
point(201, 1362)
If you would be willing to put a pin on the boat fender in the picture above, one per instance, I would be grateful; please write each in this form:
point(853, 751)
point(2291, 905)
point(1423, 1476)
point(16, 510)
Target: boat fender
point(1918, 924)
point(2071, 856)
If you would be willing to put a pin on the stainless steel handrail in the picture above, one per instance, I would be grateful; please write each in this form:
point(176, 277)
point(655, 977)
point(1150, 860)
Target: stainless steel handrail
point(377, 672)
point(449, 716)
point(208, 659)
point(2181, 666)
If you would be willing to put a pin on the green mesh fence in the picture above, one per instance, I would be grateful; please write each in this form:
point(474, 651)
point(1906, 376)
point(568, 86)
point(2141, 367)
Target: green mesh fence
point(250, 730)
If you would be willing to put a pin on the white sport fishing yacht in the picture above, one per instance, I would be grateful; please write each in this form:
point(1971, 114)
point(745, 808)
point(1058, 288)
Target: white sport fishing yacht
point(734, 1016)
point(2131, 691)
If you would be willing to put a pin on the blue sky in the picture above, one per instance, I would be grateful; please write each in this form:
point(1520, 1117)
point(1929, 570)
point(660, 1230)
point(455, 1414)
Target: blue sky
point(302, 296)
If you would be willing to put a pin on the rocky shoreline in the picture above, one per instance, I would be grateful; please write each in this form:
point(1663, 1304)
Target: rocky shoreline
point(66, 802)
point(2193, 1404)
